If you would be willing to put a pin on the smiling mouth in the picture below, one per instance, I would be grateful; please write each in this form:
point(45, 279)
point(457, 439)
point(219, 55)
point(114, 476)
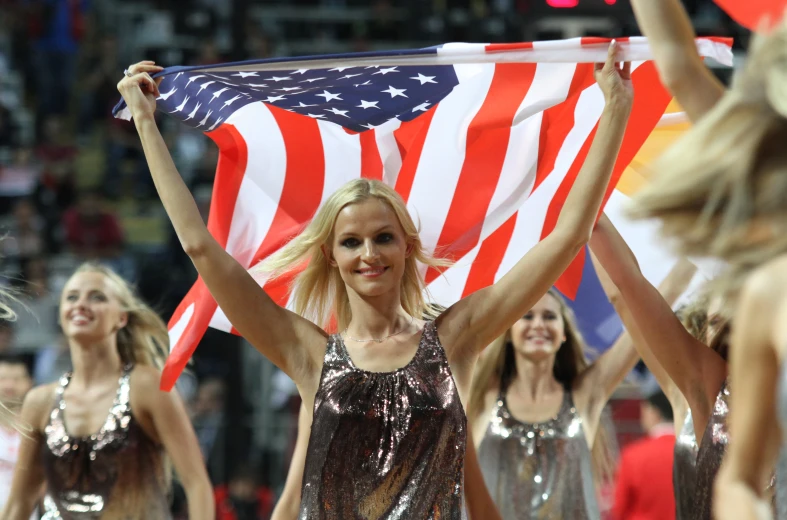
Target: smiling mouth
point(371, 272)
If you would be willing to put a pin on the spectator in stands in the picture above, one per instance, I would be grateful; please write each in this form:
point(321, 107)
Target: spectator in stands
point(98, 92)
point(56, 189)
point(19, 178)
point(36, 325)
point(243, 498)
point(58, 27)
point(15, 382)
point(644, 478)
point(52, 361)
point(24, 233)
point(207, 417)
point(92, 232)
point(6, 337)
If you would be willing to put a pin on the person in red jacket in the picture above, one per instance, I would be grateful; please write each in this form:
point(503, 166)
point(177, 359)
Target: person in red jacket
point(643, 490)
point(243, 498)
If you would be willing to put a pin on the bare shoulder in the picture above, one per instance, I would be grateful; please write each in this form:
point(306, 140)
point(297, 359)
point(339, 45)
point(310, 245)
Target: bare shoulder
point(38, 403)
point(768, 282)
point(145, 384)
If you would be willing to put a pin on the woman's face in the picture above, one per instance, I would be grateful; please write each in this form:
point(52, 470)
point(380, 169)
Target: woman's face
point(539, 333)
point(369, 247)
point(89, 310)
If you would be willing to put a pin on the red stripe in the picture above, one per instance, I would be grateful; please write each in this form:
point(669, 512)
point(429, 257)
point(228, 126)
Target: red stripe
point(230, 170)
point(650, 102)
point(486, 147)
point(303, 181)
point(490, 256)
point(558, 121)
point(410, 138)
point(595, 40)
point(503, 47)
point(233, 156)
point(371, 162)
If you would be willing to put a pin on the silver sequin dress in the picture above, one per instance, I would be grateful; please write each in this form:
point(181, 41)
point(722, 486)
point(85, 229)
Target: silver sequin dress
point(540, 471)
point(710, 454)
point(684, 469)
point(386, 446)
point(117, 473)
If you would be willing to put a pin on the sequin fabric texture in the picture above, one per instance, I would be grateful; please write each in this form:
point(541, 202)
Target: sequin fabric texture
point(539, 471)
point(386, 446)
point(781, 467)
point(710, 454)
point(115, 473)
point(684, 469)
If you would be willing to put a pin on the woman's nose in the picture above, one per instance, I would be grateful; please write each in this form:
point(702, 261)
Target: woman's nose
point(370, 251)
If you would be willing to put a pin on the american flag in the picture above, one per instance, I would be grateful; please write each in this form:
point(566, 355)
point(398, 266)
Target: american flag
point(483, 142)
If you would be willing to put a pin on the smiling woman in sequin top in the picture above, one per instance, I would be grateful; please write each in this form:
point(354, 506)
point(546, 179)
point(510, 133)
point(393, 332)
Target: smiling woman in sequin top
point(536, 409)
point(388, 426)
point(99, 435)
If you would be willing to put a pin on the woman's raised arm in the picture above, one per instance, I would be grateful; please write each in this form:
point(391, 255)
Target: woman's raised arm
point(671, 38)
point(697, 370)
point(291, 342)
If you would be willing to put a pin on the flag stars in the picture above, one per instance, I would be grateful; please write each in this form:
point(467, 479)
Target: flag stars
point(278, 78)
point(348, 76)
point(218, 93)
point(205, 85)
point(245, 74)
point(205, 119)
point(182, 105)
point(395, 92)
point(424, 79)
point(363, 84)
point(339, 69)
point(194, 78)
point(369, 104)
point(329, 97)
point(231, 101)
point(311, 80)
point(338, 112)
point(166, 95)
point(386, 71)
point(423, 107)
point(316, 116)
point(300, 71)
point(273, 99)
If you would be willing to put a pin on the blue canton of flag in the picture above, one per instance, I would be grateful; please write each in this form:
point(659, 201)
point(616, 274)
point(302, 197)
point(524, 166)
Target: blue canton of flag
point(357, 98)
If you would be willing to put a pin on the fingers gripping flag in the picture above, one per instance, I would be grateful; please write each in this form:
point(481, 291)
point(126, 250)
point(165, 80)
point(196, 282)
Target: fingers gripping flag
point(483, 142)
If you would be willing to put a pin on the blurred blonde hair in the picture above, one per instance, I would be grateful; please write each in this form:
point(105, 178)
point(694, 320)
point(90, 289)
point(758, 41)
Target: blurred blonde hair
point(721, 190)
point(144, 340)
point(496, 369)
point(318, 292)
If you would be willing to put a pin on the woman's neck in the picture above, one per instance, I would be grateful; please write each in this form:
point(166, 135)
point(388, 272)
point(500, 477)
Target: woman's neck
point(94, 362)
point(535, 378)
point(376, 317)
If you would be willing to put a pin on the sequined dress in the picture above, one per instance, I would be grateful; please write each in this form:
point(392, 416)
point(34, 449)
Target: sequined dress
point(710, 454)
point(781, 467)
point(117, 473)
point(386, 445)
point(539, 471)
point(684, 469)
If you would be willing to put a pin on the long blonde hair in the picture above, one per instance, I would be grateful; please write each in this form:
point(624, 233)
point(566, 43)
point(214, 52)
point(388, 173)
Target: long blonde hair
point(319, 292)
point(144, 340)
point(496, 369)
point(721, 190)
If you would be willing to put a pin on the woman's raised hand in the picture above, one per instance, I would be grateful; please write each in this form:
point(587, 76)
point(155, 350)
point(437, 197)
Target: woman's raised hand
point(139, 89)
point(614, 78)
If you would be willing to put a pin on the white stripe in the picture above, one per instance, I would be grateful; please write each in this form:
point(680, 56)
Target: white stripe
point(179, 327)
point(389, 150)
point(556, 51)
point(263, 182)
point(447, 288)
point(443, 156)
point(342, 153)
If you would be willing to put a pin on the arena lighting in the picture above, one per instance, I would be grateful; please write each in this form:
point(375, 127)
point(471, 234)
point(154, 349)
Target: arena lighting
point(562, 4)
point(580, 7)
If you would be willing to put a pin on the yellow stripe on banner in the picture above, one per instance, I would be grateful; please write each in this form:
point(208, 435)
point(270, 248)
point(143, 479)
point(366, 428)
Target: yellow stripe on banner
point(669, 129)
